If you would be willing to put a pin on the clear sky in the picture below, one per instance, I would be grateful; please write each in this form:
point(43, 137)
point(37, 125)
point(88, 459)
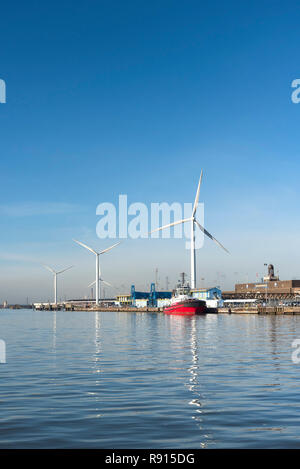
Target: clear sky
point(129, 97)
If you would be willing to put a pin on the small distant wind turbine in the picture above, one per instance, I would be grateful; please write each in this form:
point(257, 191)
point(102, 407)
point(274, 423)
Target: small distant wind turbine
point(55, 278)
point(100, 280)
point(97, 254)
point(193, 222)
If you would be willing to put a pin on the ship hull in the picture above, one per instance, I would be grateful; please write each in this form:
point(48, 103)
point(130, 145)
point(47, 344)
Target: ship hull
point(187, 308)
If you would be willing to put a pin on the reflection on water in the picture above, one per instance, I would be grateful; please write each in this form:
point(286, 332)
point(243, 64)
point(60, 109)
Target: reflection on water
point(54, 331)
point(193, 384)
point(143, 380)
point(97, 354)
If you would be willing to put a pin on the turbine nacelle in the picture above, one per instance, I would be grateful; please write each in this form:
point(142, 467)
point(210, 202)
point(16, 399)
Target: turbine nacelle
point(100, 280)
point(54, 271)
point(93, 251)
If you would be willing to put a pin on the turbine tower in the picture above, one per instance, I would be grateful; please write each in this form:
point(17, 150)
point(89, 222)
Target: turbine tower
point(55, 278)
point(193, 221)
point(97, 254)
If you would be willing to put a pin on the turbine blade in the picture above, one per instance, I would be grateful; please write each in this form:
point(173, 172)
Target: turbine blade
point(61, 271)
point(49, 268)
point(170, 224)
point(106, 283)
point(211, 236)
point(197, 195)
point(108, 249)
point(85, 246)
point(100, 279)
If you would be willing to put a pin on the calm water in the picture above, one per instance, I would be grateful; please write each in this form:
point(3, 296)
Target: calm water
point(140, 380)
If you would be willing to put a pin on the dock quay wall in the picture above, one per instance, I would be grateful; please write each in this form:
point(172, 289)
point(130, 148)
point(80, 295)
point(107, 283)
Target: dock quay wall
point(114, 308)
point(263, 310)
point(88, 307)
point(277, 310)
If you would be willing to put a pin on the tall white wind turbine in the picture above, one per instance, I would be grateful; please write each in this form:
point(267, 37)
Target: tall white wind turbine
point(193, 223)
point(55, 278)
point(97, 254)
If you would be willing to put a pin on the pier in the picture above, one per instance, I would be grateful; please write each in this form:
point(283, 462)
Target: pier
point(261, 310)
point(92, 307)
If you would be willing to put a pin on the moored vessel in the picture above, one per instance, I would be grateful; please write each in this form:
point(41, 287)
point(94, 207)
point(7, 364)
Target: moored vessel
point(182, 303)
point(187, 307)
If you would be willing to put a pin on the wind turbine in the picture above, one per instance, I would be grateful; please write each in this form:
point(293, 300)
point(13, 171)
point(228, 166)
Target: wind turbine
point(55, 278)
point(193, 223)
point(97, 254)
point(100, 280)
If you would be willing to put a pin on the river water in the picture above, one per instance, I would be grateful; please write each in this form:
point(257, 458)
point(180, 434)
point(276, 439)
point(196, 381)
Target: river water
point(143, 380)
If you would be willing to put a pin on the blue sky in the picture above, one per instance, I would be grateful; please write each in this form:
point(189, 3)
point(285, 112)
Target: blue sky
point(108, 98)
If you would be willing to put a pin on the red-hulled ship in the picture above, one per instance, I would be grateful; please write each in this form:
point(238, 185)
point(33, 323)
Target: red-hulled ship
point(187, 307)
point(182, 303)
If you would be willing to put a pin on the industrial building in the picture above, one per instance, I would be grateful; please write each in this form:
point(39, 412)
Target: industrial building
point(153, 298)
point(212, 296)
point(123, 300)
point(161, 299)
point(270, 288)
point(213, 293)
point(144, 299)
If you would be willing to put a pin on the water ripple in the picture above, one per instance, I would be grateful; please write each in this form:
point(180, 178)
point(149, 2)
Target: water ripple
point(127, 380)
